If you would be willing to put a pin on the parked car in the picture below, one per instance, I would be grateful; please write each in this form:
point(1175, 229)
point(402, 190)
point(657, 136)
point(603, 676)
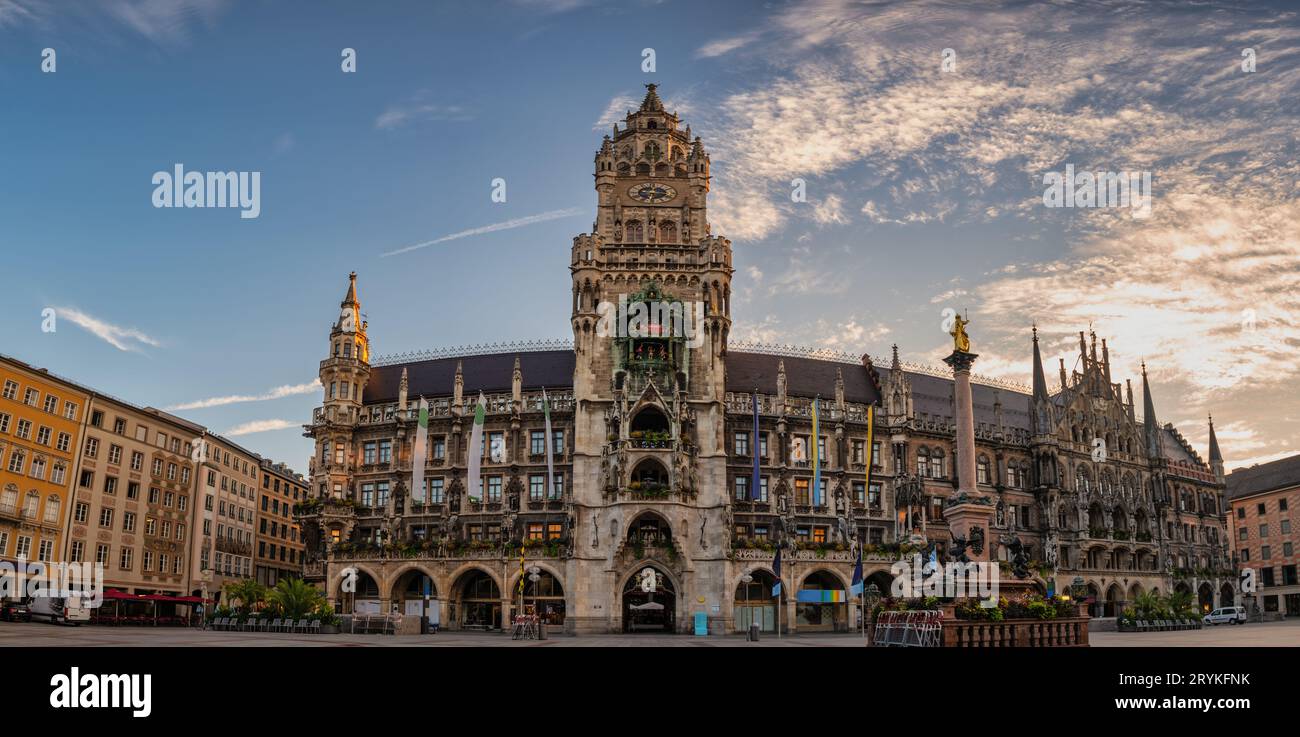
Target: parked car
point(1226, 615)
point(15, 611)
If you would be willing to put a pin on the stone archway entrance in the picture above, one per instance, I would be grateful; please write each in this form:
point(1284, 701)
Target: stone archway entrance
point(649, 601)
point(822, 604)
point(1205, 597)
point(755, 603)
point(364, 598)
point(409, 594)
point(478, 601)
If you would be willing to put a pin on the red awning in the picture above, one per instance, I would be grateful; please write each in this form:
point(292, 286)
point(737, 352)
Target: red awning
point(115, 595)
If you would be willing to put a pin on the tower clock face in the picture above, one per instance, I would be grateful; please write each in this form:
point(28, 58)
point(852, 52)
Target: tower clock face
point(651, 192)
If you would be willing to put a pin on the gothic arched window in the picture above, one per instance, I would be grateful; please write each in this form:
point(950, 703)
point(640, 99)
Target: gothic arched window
point(982, 470)
point(634, 232)
point(667, 232)
point(922, 462)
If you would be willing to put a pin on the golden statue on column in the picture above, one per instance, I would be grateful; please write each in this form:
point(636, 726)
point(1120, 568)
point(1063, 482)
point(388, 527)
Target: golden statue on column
point(960, 340)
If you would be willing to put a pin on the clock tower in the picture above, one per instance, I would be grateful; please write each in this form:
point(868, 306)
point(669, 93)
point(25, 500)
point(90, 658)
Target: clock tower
point(649, 463)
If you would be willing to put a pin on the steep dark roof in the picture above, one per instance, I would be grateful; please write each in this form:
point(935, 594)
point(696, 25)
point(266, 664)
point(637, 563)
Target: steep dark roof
point(932, 395)
point(1264, 477)
point(488, 373)
point(804, 377)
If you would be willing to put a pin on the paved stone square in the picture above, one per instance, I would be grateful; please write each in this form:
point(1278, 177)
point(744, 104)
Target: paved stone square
point(38, 634)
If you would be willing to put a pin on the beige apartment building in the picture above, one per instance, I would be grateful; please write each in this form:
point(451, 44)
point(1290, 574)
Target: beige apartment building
point(225, 514)
point(279, 539)
point(133, 500)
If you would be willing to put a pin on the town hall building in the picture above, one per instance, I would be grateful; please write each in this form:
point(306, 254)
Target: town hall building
point(648, 518)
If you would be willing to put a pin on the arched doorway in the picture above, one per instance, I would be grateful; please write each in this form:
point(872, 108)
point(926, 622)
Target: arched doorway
point(364, 598)
point(755, 603)
point(478, 601)
point(1114, 601)
point(1205, 597)
point(649, 602)
point(1094, 601)
point(409, 594)
point(545, 597)
point(1227, 597)
point(821, 604)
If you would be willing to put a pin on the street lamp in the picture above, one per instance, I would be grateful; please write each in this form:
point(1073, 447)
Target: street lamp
point(871, 594)
point(748, 579)
point(535, 575)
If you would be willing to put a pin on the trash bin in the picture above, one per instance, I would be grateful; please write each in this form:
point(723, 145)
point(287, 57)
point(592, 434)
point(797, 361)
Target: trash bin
point(753, 631)
point(541, 630)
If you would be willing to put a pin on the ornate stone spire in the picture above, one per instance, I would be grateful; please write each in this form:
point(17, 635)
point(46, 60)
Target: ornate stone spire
point(1155, 446)
point(401, 392)
point(652, 103)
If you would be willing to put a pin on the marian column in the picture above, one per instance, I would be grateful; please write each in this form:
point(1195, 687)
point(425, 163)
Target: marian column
point(969, 513)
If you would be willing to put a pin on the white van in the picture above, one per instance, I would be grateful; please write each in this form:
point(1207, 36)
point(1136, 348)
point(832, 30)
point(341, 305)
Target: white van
point(1226, 615)
point(71, 610)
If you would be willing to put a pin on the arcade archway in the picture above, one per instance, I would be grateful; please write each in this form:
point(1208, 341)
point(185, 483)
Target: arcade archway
point(1205, 597)
point(409, 592)
point(545, 597)
point(649, 602)
point(478, 601)
point(822, 604)
point(755, 603)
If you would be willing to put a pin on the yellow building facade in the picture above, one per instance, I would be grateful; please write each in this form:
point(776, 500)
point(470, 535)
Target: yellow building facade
point(42, 422)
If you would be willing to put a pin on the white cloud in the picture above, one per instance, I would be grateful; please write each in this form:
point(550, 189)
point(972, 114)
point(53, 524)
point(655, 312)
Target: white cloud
point(418, 109)
point(615, 112)
point(506, 225)
point(279, 392)
point(248, 428)
point(725, 45)
point(121, 338)
point(830, 211)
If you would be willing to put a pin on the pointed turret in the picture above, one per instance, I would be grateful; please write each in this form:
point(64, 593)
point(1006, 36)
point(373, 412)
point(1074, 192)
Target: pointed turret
point(1216, 457)
point(1151, 427)
point(1105, 366)
point(1041, 417)
point(652, 103)
point(401, 393)
point(1040, 381)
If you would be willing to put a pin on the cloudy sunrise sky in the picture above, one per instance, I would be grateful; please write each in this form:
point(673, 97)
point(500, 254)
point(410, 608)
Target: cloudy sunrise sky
point(924, 186)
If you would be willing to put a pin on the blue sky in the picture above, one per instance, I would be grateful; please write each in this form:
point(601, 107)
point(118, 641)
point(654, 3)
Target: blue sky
point(924, 186)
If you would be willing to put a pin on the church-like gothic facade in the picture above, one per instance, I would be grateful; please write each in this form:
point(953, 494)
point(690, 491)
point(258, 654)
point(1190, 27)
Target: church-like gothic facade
point(649, 518)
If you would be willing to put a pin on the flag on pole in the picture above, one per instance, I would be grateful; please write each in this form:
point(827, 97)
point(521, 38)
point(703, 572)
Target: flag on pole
point(476, 451)
point(816, 458)
point(755, 484)
point(776, 569)
point(550, 442)
point(418, 453)
point(856, 587)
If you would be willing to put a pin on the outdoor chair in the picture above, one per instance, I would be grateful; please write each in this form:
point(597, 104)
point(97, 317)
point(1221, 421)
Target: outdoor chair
point(301, 626)
point(274, 625)
point(219, 623)
point(314, 627)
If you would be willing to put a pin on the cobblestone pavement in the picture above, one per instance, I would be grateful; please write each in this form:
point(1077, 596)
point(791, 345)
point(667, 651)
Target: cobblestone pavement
point(38, 634)
point(1255, 634)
